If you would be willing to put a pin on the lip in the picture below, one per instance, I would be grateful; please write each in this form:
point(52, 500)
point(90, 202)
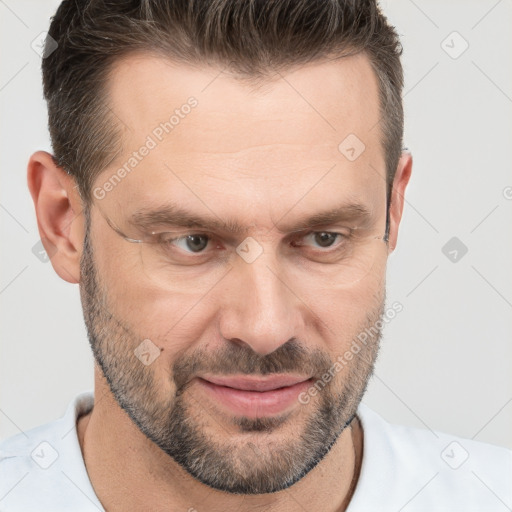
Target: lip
point(252, 383)
point(255, 396)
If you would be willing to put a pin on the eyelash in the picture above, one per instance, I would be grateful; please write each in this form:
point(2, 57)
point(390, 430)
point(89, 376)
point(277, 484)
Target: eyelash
point(329, 249)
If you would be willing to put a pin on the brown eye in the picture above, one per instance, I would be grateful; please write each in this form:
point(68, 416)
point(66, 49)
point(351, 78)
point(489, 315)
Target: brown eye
point(324, 238)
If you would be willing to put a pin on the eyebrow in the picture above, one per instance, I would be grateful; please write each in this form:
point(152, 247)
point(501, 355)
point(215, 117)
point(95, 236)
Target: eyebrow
point(173, 216)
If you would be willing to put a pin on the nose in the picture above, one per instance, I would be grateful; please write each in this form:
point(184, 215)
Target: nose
point(260, 306)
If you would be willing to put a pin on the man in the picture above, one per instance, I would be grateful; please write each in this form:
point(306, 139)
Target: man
point(227, 185)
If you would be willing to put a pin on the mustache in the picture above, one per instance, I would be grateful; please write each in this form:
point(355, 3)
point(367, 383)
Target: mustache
point(231, 359)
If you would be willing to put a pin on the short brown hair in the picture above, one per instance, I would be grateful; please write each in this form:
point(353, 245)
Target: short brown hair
point(254, 38)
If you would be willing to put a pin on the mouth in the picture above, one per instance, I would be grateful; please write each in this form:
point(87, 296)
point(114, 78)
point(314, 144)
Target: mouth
point(254, 397)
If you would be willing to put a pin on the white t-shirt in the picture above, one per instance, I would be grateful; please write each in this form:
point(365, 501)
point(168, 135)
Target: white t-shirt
point(403, 469)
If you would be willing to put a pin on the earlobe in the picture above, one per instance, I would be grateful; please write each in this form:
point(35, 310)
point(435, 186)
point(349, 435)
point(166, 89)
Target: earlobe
point(402, 176)
point(58, 208)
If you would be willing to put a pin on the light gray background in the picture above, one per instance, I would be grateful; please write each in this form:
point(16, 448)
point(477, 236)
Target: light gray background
point(446, 359)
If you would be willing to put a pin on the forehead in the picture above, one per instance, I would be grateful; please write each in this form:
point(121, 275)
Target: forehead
point(335, 96)
point(287, 130)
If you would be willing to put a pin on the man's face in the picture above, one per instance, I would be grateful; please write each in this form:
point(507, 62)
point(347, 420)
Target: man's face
point(289, 301)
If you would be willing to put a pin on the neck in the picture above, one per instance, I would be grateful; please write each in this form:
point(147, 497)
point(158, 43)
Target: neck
point(129, 472)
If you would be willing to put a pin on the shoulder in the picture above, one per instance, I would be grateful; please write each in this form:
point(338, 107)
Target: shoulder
point(20, 446)
point(42, 468)
point(424, 470)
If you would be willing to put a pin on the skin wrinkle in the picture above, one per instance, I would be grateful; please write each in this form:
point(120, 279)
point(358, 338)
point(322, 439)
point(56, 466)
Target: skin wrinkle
point(186, 444)
point(185, 448)
point(264, 97)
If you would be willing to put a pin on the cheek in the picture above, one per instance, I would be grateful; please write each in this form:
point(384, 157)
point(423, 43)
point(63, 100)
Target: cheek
point(342, 313)
point(173, 319)
point(178, 317)
point(133, 296)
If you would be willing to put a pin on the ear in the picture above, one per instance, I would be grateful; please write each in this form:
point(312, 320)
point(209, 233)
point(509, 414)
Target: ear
point(59, 214)
point(402, 176)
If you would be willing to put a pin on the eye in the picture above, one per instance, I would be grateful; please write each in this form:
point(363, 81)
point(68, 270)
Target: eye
point(323, 239)
point(194, 243)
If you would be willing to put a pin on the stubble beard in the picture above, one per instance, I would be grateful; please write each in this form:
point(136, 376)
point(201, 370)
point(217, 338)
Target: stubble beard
point(262, 461)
